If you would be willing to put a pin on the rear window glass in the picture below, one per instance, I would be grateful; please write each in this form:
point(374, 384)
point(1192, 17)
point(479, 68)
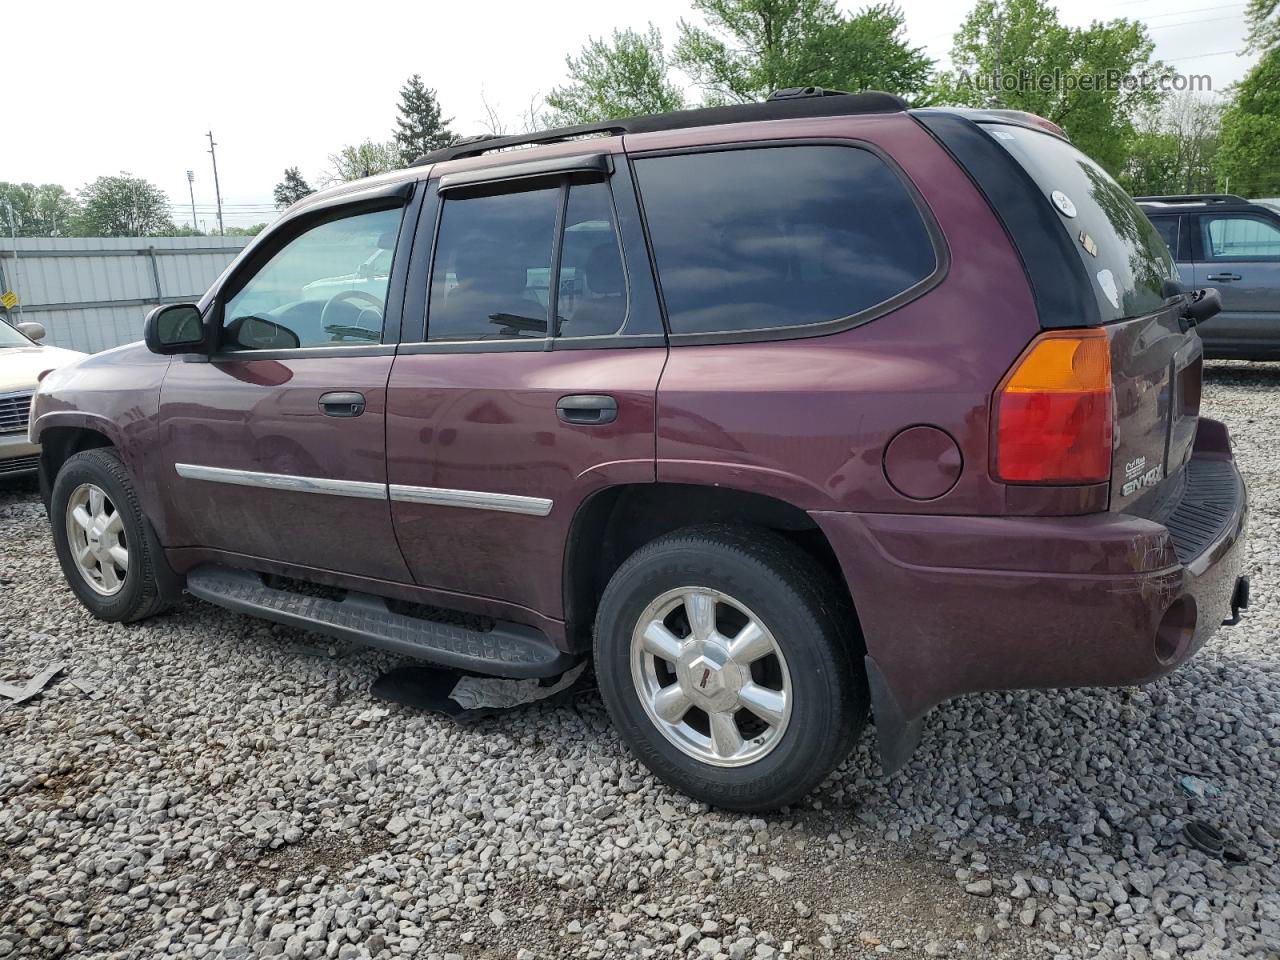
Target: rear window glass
point(1124, 255)
point(753, 239)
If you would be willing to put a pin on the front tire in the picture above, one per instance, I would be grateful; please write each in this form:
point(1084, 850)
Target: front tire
point(108, 551)
point(729, 664)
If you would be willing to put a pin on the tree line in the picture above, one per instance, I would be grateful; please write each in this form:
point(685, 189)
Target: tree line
point(113, 206)
point(1152, 137)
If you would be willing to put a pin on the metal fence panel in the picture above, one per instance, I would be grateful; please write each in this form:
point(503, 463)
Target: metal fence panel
point(91, 293)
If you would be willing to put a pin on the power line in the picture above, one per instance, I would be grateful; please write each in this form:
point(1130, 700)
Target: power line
point(1183, 23)
point(1197, 56)
point(1179, 13)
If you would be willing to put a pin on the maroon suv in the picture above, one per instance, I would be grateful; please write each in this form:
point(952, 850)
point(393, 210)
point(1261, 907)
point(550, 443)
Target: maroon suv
point(787, 413)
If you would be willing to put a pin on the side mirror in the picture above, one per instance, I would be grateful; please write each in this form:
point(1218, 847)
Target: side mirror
point(258, 333)
point(32, 329)
point(1202, 305)
point(174, 328)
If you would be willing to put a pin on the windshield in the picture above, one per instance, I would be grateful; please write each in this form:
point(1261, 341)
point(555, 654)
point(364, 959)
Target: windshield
point(10, 337)
point(1123, 253)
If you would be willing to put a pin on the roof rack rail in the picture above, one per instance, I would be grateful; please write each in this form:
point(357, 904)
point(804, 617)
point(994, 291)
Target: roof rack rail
point(1195, 198)
point(790, 103)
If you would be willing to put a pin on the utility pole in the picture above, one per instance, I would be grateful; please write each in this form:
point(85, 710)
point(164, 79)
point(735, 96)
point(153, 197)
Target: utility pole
point(217, 191)
point(191, 189)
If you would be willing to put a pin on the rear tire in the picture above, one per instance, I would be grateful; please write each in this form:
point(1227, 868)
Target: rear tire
point(729, 663)
point(108, 551)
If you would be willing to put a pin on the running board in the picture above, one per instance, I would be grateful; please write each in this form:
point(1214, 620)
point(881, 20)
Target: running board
point(507, 650)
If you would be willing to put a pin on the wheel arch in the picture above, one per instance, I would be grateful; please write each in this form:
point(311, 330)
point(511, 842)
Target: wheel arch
point(59, 443)
point(612, 523)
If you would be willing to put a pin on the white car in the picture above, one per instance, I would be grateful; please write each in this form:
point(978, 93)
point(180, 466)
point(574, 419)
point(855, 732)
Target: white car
point(22, 362)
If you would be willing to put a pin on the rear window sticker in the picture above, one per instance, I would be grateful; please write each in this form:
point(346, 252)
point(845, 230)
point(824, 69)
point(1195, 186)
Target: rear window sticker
point(1107, 281)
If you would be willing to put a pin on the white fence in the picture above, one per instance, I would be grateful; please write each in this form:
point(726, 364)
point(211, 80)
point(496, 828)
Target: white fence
point(92, 293)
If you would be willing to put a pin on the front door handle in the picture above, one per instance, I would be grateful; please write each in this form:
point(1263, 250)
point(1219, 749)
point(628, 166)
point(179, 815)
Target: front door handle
point(342, 404)
point(1222, 277)
point(587, 408)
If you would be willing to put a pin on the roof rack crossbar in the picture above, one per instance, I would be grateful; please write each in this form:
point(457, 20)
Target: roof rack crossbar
point(792, 103)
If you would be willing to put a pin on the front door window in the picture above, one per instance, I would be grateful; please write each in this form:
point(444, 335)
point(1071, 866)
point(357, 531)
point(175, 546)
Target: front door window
point(325, 287)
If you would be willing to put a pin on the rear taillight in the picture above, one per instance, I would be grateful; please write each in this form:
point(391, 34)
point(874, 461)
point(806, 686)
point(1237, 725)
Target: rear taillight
point(1053, 411)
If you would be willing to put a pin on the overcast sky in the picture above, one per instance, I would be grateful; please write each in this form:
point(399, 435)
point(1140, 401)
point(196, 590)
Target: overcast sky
point(93, 88)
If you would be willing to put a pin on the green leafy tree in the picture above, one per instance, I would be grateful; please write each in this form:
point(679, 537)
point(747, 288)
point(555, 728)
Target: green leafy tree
point(365, 159)
point(753, 47)
point(1251, 132)
point(1015, 54)
point(420, 127)
point(1173, 149)
point(251, 231)
point(123, 206)
point(624, 77)
point(1264, 24)
point(44, 211)
point(292, 188)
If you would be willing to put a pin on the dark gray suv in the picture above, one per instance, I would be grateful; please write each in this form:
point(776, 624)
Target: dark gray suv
point(1233, 244)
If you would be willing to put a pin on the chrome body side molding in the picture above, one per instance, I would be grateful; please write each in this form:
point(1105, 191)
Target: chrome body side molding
point(437, 496)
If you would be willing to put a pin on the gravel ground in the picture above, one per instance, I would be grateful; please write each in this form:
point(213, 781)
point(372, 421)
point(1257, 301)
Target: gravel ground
point(227, 788)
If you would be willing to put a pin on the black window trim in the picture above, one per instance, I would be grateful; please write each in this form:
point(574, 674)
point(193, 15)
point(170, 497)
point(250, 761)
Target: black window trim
point(1202, 230)
point(941, 251)
point(417, 295)
point(403, 195)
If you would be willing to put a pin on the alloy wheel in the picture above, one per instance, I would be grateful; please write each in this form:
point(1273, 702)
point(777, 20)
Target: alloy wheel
point(95, 533)
point(711, 676)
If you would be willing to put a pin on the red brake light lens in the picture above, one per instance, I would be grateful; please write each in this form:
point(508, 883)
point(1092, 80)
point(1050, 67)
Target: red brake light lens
point(1053, 411)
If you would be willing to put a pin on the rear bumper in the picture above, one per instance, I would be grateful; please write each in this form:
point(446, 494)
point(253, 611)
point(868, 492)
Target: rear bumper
point(953, 605)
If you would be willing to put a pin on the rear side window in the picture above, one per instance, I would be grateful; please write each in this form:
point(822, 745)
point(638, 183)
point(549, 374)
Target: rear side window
point(774, 237)
point(1240, 238)
point(1123, 254)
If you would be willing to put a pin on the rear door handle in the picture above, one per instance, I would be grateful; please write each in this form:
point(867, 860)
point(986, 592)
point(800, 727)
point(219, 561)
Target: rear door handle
point(342, 404)
point(1222, 277)
point(587, 408)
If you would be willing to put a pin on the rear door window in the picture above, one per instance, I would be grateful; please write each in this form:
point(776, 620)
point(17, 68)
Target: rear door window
point(495, 255)
point(779, 237)
point(493, 258)
point(1123, 253)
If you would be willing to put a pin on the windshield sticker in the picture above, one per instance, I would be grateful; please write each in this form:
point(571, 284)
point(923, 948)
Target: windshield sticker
point(1088, 243)
point(1063, 203)
point(1107, 281)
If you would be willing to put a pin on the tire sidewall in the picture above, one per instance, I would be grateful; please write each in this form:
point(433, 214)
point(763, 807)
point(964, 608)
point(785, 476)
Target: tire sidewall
point(88, 467)
point(820, 676)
